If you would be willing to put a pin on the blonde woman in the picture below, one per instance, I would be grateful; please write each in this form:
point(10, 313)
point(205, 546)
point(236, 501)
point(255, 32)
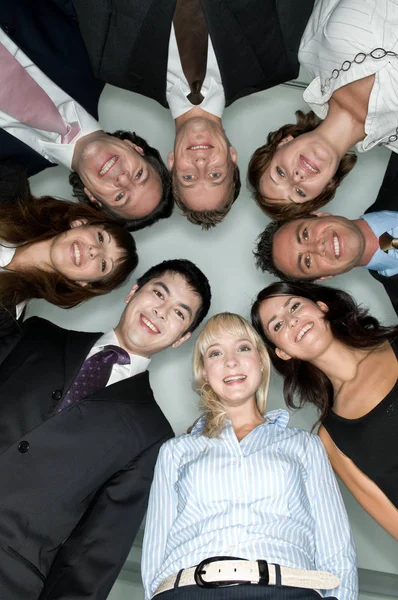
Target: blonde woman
point(242, 484)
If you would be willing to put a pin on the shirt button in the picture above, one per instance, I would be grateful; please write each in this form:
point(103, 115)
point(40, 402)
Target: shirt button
point(23, 446)
point(57, 395)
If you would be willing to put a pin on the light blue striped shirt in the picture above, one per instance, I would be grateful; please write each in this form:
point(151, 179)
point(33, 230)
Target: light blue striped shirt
point(271, 496)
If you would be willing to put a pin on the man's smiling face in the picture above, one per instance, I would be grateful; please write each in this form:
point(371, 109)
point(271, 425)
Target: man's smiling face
point(157, 315)
point(310, 248)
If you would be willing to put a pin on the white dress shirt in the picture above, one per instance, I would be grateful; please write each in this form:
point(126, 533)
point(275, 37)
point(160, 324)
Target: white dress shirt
point(46, 143)
point(178, 86)
point(6, 256)
point(336, 32)
point(270, 496)
point(385, 263)
point(138, 364)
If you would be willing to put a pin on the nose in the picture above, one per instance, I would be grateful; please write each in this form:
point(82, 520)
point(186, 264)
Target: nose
point(293, 320)
point(93, 251)
point(123, 178)
point(159, 312)
point(316, 247)
point(298, 175)
point(201, 159)
point(231, 360)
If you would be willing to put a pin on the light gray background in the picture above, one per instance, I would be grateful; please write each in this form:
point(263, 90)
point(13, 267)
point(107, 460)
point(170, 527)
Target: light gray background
point(225, 255)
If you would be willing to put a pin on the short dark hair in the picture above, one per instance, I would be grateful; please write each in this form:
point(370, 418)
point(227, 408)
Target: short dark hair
point(208, 218)
point(194, 277)
point(152, 157)
point(264, 255)
point(263, 156)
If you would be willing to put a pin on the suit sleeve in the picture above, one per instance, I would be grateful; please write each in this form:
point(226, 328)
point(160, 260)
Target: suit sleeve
point(88, 563)
point(334, 546)
point(14, 185)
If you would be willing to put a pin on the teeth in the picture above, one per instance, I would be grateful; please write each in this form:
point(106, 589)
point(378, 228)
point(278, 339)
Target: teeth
point(309, 167)
point(336, 246)
point(109, 163)
point(199, 147)
point(76, 253)
point(150, 325)
point(234, 378)
point(304, 330)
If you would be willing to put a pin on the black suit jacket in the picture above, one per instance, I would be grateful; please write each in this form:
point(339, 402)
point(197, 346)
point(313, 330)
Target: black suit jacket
point(74, 484)
point(255, 41)
point(47, 31)
point(387, 199)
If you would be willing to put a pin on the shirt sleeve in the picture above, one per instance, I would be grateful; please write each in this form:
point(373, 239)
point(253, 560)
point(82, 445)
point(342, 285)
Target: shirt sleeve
point(334, 545)
point(162, 510)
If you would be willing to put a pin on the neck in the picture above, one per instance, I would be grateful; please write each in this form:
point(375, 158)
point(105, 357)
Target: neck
point(194, 112)
point(130, 349)
point(371, 241)
point(340, 363)
point(245, 418)
point(340, 129)
point(35, 255)
point(82, 143)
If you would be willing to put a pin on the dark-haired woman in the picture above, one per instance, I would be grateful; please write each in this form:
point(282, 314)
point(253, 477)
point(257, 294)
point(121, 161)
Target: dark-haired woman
point(61, 251)
point(350, 49)
point(334, 355)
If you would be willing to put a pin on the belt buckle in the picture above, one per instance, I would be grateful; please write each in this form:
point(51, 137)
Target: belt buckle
point(215, 584)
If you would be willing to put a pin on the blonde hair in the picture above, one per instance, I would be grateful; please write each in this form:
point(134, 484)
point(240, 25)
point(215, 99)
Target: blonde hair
point(210, 403)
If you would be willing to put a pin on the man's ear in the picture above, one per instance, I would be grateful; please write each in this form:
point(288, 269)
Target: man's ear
point(131, 293)
point(182, 339)
point(78, 223)
point(281, 354)
point(170, 160)
point(324, 307)
point(233, 154)
point(285, 140)
point(324, 278)
point(92, 198)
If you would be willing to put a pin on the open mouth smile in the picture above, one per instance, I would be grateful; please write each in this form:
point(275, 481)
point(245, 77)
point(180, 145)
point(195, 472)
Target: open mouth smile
point(303, 331)
point(76, 254)
point(308, 166)
point(234, 379)
point(200, 147)
point(108, 166)
point(149, 324)
point(336, 246)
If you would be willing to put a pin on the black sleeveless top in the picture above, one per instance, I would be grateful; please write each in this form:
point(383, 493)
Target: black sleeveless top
point(371, 441)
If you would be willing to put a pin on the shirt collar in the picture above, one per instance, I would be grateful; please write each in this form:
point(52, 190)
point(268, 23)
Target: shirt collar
point(138, 363)
point(279, 417)
point(213, 102)
point(380, 222)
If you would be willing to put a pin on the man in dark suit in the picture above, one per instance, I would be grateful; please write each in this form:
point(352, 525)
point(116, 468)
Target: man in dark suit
point(120, 173)
point(317, 247)
point(146, 46)
point(80, 433)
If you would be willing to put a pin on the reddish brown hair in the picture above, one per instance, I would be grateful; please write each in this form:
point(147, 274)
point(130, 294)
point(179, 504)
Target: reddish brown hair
point(261, 160)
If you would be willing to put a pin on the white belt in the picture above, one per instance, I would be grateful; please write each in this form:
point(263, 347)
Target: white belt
point(218, 572)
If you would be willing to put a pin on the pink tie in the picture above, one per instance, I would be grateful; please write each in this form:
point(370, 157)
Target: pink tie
point(22, 98)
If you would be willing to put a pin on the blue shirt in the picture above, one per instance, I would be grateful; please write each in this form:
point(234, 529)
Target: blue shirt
point(272, 495)
point(386, 220)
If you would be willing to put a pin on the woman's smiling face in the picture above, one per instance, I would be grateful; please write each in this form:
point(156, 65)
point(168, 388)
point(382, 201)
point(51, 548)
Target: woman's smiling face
point(296, 326)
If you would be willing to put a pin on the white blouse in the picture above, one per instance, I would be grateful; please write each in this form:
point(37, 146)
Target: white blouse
point(6, 256)
point(338, 35)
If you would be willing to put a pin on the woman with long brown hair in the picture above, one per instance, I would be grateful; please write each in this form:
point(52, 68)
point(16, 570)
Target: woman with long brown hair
point(61, 251)
point(350, 51)
point(336, 356)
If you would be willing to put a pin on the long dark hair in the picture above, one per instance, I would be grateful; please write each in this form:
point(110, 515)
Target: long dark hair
point(350, 324)
point(27, 220)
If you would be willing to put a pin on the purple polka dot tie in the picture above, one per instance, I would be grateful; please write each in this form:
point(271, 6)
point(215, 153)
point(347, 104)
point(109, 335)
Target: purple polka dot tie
point(94, 374)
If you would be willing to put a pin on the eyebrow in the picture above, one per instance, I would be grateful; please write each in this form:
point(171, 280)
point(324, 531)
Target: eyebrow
point(284, 306)
point(299, 256)
point(277, 184)
point(238, 342)
point(180, 304)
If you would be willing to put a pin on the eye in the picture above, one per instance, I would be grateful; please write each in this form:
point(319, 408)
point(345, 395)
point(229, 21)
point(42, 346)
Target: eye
point(305, 234)
point(300, 192)
point(188, 177)
point(100, 238)
point(180, 314)
point(280, 172)
point(119, 197)
point(158, 294)
point(139, 174)
point(278, 325)
point(214, 353)
point(307, 261)
point(215, 175)
point(103, 265)
point(294, 307)
point(244, 348)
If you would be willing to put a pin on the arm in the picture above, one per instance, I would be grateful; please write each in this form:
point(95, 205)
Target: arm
point(334, 546)
point(364, 490)
point(88, 563)
point(162, 510)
